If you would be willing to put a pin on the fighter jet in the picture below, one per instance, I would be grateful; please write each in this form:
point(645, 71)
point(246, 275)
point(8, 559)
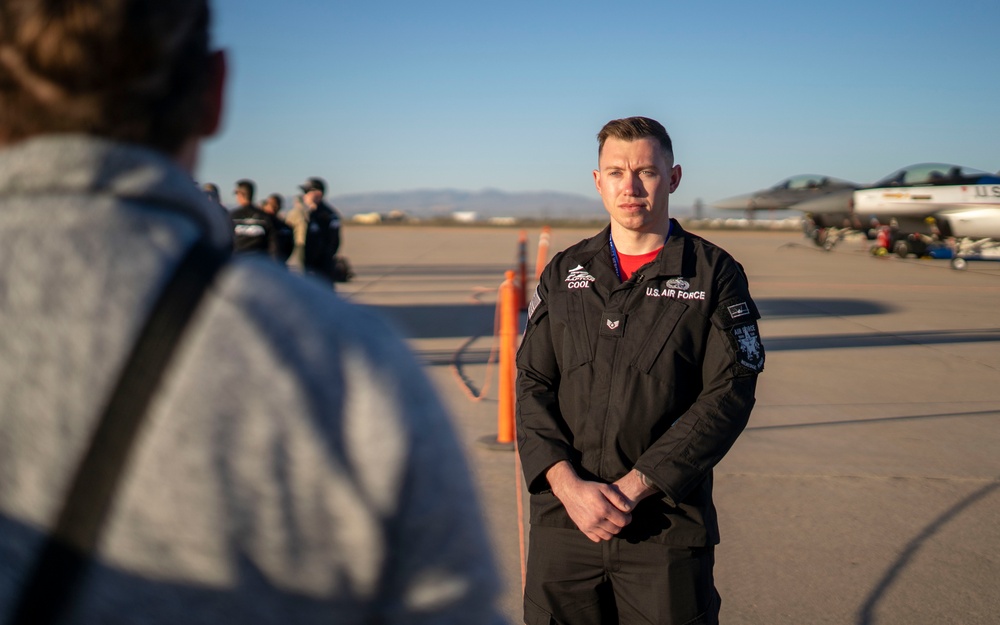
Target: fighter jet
point(919, 201)
point(934, 198)
point(787, 193)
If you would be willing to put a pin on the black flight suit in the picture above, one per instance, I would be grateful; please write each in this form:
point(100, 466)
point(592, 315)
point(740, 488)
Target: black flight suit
point(256, 230)
point(252, 229)
point(657, 373)
point(322, 242)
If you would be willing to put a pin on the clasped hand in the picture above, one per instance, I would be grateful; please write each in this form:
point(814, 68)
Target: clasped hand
point(599, 510)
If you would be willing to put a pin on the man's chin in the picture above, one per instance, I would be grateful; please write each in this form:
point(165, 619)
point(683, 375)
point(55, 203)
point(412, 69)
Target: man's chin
point(636, 223)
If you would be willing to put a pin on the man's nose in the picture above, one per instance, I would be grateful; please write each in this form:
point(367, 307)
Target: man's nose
point(632, 184)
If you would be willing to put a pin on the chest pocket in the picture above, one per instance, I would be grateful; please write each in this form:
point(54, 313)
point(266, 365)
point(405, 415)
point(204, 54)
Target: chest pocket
point(577, 346)
point(658, 334)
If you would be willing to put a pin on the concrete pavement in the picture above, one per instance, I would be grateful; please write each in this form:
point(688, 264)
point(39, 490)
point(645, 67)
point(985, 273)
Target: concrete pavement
point(867, 486)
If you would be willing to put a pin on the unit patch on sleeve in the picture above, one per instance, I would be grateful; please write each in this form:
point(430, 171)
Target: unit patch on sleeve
point(749, 351)
point(739, 310)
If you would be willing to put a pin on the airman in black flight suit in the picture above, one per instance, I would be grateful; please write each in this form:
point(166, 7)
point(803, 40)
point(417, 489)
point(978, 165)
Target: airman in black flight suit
point(636, 374)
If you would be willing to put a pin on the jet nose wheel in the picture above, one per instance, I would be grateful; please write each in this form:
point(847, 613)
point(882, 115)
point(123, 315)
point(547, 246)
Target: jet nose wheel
point(959, 263)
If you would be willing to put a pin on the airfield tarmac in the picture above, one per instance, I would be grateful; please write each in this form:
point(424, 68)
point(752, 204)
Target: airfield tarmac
point(866, 488)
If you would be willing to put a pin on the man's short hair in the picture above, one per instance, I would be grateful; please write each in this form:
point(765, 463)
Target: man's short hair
point(212, 191)
point(247, 187)
point(129, 70)
point(632, 129)
point(313, 184)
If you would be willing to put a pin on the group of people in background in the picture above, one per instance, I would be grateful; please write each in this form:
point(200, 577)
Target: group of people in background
point(305, 237)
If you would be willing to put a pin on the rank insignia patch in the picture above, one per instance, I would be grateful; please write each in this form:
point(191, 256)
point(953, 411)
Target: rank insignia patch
point(613, 324)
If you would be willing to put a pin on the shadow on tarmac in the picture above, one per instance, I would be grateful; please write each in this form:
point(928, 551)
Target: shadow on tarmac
point(494, 272)
point(459, 357)
point(436, 321)
point(433, 321)
point(866, 615)
point(880, 339)
point(792, 308)
point(820, 424)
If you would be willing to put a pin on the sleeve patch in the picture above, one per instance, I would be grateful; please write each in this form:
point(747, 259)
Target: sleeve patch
point(536, 300)
point(735, 311)
point(738, 310)
point(749, 351)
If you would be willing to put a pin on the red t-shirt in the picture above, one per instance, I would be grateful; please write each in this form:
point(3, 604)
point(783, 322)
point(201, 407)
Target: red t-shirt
point(629, 263)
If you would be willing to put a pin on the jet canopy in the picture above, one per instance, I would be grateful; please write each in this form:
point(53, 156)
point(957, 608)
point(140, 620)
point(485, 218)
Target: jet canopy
point(935, 174)
point(811, 181)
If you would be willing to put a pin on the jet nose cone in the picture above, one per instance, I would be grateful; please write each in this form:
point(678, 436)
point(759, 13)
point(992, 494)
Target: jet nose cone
point(735, 203)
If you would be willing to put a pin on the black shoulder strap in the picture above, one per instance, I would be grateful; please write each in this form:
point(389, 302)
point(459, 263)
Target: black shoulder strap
point(51, 585)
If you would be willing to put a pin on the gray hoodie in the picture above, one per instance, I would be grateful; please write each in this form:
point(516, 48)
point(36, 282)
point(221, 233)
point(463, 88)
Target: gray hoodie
point(295, 465)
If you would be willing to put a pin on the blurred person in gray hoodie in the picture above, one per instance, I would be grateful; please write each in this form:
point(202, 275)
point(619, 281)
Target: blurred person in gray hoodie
point(289, 464)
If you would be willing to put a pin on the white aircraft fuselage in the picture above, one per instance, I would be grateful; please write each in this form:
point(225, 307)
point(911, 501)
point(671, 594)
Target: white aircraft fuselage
point(971, 210)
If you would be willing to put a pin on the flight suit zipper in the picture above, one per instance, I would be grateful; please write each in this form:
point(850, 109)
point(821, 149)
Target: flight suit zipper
point(622, 293)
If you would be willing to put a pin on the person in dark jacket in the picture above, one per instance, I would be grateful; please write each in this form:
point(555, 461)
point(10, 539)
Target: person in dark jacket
point(259, 230)
point(288, 462)
point(252, 227)
point(282, 238)
point(317, 231)
point(636, 374)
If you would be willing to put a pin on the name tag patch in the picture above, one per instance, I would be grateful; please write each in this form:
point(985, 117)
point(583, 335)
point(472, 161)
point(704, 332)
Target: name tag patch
point(676, 288)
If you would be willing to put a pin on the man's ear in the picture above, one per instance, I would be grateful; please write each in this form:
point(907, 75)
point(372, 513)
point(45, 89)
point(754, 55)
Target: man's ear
point(214, 95)
point(675, 177)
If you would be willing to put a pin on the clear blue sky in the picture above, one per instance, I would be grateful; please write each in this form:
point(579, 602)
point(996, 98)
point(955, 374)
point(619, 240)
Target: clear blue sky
point(392, 96)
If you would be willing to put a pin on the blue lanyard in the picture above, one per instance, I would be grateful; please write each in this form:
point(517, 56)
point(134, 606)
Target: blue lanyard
point(614, 252)
point(614, 259)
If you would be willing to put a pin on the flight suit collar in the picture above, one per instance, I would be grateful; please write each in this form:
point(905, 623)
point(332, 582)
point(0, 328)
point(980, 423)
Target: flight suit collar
point(671, 260)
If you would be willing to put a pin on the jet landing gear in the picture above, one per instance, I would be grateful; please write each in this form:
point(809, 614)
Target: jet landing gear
point(969, 249)
point(910, 244)
point(889, 242)
point(828, 238)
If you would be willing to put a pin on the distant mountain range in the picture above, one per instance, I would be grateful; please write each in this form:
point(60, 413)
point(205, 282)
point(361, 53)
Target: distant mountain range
point(486, 203)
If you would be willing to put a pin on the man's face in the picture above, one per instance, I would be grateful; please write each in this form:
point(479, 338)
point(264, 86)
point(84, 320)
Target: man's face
point(241, 197)
point(635, 180)
point(312, 197)
point(270, 206)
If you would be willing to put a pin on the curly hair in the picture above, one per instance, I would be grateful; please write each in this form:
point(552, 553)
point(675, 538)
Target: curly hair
point(129, 70)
